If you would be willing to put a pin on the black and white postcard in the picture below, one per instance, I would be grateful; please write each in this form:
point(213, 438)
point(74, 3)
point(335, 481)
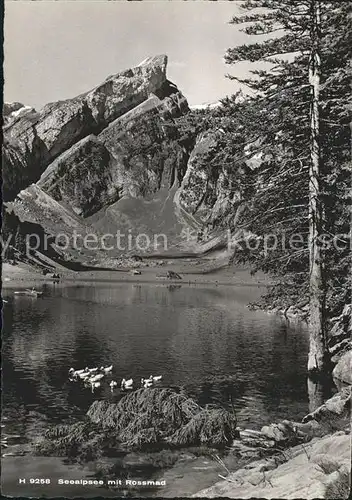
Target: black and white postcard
point(176, 249)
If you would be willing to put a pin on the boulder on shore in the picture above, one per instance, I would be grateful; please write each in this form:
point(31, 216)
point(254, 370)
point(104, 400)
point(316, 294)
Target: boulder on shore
point(336, 407)
point(343, 369)
point(319, 469)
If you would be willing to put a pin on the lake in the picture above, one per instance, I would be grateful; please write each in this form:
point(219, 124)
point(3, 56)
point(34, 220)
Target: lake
point(203, 338)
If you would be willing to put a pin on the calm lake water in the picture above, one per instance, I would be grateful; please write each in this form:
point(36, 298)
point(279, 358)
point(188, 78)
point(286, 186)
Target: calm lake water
point(202, 338)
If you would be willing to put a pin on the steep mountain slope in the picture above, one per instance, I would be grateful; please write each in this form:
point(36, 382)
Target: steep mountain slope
point(32, 142)
point(115, 159)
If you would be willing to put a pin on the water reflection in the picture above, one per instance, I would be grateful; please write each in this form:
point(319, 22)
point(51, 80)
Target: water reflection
point(319, 388)
point(202, 338)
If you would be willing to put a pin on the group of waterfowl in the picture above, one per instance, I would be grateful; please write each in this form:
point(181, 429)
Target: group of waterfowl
point(92, 377)
point(145, 382)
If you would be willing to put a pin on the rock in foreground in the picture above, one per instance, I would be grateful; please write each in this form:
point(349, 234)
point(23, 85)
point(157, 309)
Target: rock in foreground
point(312, 471)
point(343, 369)
point(318, 467)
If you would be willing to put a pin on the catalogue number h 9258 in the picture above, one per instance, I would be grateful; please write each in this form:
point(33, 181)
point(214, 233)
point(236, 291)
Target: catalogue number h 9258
point(35, 481)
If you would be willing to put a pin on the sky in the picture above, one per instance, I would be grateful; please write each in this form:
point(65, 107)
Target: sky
point(56, 50)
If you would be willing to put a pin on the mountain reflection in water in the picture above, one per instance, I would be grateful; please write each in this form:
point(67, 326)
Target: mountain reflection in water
point(202, 338)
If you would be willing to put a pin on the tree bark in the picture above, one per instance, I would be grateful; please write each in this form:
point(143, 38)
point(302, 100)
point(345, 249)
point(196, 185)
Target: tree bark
point(317, 349)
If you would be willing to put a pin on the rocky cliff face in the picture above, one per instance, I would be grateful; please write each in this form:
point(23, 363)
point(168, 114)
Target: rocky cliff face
point(208, 190)
point(113, 157)
point(32, 142)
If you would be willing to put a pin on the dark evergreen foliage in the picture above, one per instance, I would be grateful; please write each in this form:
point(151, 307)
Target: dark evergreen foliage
point(267, 141)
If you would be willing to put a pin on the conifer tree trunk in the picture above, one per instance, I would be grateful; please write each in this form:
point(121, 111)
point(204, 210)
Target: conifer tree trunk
point(317, 348)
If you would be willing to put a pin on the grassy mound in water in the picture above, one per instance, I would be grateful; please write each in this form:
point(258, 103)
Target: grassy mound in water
point(142, 420)
point(80, 439)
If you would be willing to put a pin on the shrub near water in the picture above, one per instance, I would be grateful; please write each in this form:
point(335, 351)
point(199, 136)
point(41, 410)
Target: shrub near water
point(145, 419)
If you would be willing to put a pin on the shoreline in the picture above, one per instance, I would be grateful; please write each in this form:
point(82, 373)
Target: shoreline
point(318, 467)
point(13, 275)
point(10, 284)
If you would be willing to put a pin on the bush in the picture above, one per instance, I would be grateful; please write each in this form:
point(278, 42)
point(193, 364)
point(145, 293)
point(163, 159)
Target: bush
point(144, 419)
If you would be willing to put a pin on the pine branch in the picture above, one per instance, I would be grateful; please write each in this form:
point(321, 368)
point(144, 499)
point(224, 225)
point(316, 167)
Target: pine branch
point(288, 44)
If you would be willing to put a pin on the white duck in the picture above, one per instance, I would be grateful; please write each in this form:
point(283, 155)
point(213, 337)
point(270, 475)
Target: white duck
point(113, 384)
point(155, 379)
point(72, 371)
point(145, 383)
point(78, 373)
point(96, 378)
point(127, 384)
point(93, 370)
point(106, 370)
point(84, 375)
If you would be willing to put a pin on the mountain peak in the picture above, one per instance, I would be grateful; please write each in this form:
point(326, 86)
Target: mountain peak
point(158, 60)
